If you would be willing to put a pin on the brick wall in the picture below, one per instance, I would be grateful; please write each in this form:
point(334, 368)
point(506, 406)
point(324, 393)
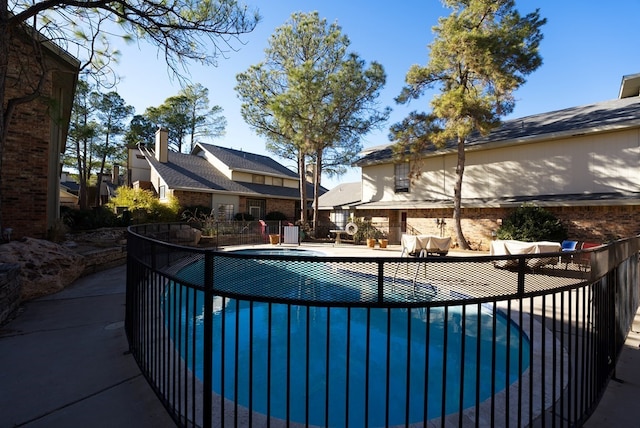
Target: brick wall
point(26, 155)
point(192, 199)
point(285, 206)
point(594, 224)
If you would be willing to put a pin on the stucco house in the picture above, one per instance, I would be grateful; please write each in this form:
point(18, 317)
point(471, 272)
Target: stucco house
point(581, 163)
point(37, 133)
point(226, 180)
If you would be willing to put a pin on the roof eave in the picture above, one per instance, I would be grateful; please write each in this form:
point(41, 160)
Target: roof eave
point(228, 192)
point(500, 204)
point(269, 174)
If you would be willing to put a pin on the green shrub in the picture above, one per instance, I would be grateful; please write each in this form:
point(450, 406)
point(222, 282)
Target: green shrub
point(145, 205)
point(531, 223)
point(93, 218)
point(366, 230)
point(275, 215)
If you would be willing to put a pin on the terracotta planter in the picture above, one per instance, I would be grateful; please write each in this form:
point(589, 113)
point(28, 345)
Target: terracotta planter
point(274, 239)
point(383, 243)
point(371, 242)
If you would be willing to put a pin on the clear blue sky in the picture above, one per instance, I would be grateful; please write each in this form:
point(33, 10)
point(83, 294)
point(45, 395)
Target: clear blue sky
point(588, 46)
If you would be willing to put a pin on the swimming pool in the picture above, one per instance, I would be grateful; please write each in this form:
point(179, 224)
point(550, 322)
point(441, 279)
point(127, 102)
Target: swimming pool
point(373, 365)
point(278, 252)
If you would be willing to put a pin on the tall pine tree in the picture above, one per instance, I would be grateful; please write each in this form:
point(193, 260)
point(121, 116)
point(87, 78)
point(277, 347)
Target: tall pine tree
point(480, 55)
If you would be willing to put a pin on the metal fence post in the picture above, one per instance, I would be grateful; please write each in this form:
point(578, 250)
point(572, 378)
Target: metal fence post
point(522, 267)
point(380, 282)
point(207, 381)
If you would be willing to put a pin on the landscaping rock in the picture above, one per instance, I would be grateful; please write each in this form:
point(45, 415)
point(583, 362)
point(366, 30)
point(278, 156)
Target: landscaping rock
point(105, 237)
point(45, 267)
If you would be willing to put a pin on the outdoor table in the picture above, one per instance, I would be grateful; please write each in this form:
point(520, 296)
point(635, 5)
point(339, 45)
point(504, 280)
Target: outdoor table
point(338, 232)
point(511, 247)
point(430, 243)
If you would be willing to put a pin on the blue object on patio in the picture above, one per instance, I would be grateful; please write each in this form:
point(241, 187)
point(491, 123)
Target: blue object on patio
point(568, 246)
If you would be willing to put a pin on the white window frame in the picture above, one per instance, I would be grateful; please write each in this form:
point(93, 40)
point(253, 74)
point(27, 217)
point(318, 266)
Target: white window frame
point(255, 211)
point(401, 177)
point(340, 218)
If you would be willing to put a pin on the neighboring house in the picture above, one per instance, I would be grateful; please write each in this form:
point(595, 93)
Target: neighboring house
point(339, 204)
point(225, 180)
point(581, 163)
point(69, 190)
point(67, 198)
point(36, 135)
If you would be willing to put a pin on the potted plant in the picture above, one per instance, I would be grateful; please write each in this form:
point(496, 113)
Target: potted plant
point(366, 232)
point(372, 233)
point(383, 241)
point(274, 239)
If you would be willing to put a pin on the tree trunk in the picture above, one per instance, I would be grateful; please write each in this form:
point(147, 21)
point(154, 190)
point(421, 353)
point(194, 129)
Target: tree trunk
point(82, 199)
point(4, 61)
point(457, 196)
point(85, 176)
point(303, 188)
point(316, 189)
point(101, 173)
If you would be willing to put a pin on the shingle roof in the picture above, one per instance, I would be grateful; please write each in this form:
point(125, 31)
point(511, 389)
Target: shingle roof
point(71, 186)
point(194, 173)
point(598, 117)
point(342, 195)
point(620, 198)
point(251, 162)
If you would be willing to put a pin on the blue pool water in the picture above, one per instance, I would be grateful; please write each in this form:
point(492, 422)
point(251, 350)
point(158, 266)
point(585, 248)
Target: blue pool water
point(332, 364)
point(278, 252)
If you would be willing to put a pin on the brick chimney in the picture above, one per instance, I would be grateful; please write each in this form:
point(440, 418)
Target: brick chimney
point(310, 172)
point(115, 174)
point(162, 145)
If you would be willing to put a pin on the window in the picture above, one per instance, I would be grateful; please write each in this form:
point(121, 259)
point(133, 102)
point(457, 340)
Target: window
point(340, 218)
point(402, 177)
point(257, 179)
point(277, 181)
point(162, 192)
point(256, 207)
point(225, 211)
point(254, 211)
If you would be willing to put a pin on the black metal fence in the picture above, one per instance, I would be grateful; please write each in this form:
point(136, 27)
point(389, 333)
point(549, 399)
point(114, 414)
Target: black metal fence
point(251, 339)
point(217, 234)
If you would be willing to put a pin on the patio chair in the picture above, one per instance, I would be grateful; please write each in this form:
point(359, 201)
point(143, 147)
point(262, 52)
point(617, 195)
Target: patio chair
point(568, 247)
point(584, 259)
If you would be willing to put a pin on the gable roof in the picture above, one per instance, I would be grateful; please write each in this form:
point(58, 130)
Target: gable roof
point(630, 86)
point(592, 118)
point(70, 186)
point(239, 160)
point(193, 173)
point(344, 194)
